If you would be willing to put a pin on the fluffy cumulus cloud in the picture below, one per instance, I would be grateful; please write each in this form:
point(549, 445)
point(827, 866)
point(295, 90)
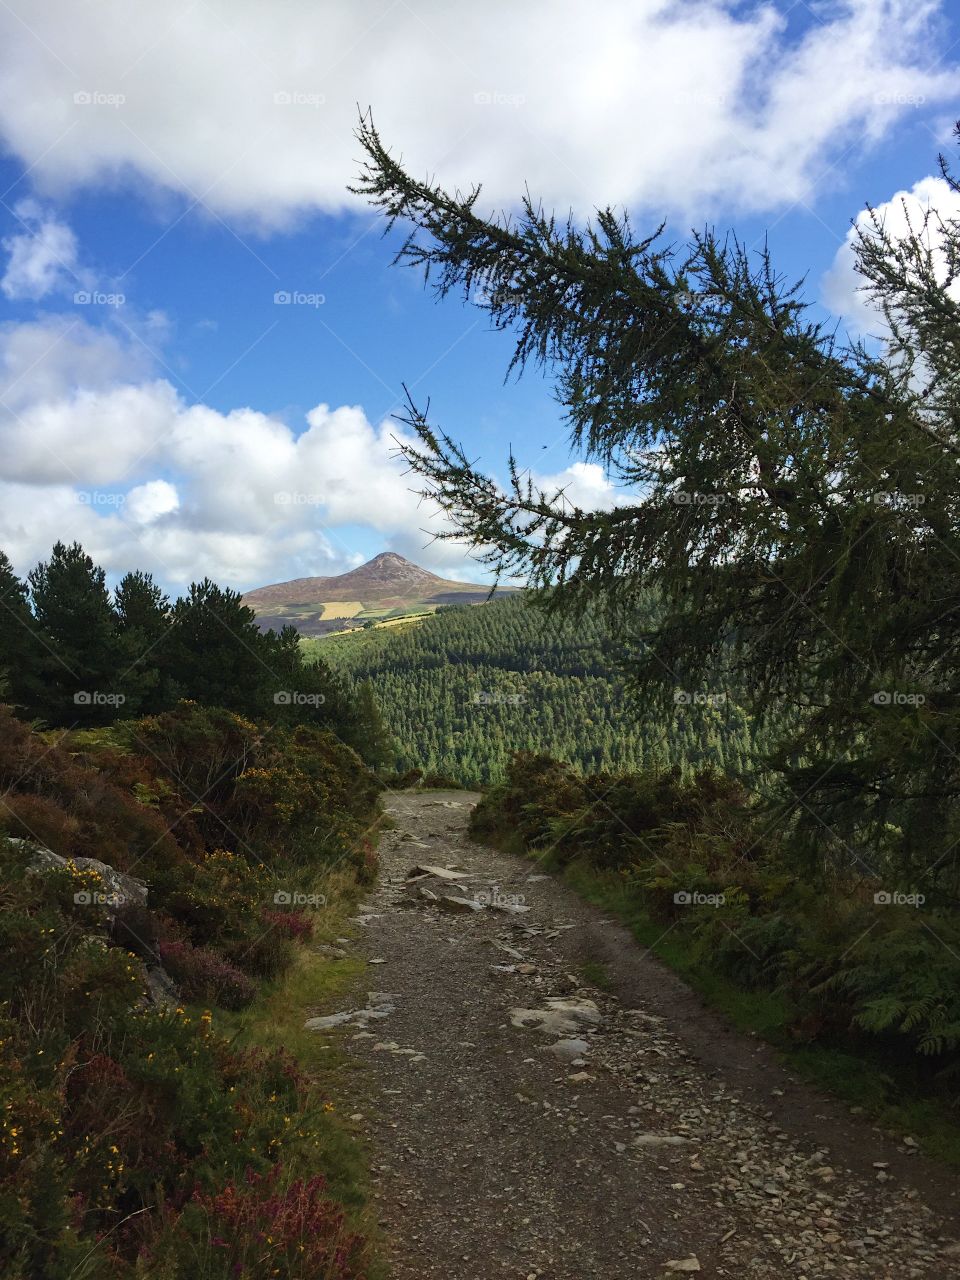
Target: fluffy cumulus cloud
point(148, 502)
point(669, 103)
point(583, 484)
point(92, 447)
point(904, 212)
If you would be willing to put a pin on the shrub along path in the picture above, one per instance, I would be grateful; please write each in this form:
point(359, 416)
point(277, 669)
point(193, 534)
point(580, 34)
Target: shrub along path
point(525, 1123)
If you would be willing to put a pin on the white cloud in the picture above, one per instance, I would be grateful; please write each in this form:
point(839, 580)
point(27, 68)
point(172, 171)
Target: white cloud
point(661, 103)
point(31, 521)
point(42, 255)
point(585, 485)
point(842, 286)
point(94, 448)
point(148, 502)
point(47, 359)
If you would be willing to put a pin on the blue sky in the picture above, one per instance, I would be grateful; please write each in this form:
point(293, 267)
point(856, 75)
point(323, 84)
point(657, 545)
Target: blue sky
point(184, 168)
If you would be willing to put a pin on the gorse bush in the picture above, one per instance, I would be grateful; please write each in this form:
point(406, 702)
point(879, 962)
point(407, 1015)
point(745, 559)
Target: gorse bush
point(135, 1141)
point(271, 792)
point(858, 960)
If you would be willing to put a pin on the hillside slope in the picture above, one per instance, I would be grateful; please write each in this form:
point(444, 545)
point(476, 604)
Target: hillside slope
point(465, 688)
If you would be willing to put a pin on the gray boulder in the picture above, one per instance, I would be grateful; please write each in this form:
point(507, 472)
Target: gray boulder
point(117, 888)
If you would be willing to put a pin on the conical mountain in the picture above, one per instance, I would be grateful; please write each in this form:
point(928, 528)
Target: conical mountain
point(388, 585)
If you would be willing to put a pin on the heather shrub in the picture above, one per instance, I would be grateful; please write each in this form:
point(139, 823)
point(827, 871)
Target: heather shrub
point(57, 798)
point(37, 818)
point(290, 924)
point(260, 1227)
point(203, 975)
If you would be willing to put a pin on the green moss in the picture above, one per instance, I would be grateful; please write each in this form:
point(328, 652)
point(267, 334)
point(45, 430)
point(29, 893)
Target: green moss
point(594, 973)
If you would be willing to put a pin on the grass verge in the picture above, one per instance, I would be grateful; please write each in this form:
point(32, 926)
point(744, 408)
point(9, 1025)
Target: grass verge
point(319, 982)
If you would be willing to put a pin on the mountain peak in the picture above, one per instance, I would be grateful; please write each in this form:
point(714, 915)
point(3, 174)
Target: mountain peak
point(388, 557)
point(387, 584)
point(389, 566)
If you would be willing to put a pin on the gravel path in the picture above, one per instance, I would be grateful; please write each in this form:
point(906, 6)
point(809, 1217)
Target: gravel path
point(650, 1141)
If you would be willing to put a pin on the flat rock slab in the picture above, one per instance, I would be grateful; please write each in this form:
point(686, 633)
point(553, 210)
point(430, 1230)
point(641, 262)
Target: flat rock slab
point(117, 887)
point(380, 1004)
point(569, 1050)
point(459, 906)
point(659, 1140)
point(439, 873)
point(559, 1016)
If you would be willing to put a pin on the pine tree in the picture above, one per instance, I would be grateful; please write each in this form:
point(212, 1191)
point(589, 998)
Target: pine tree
point(299, 692)
point(143, 623)
point(21, 652)
point(77, 629)
point(372, 739)
point(795, 503)
point(216, 655)
point(141, 606)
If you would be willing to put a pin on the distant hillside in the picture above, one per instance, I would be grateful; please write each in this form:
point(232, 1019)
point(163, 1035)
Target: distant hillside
point(387, 586)
point(464, 688)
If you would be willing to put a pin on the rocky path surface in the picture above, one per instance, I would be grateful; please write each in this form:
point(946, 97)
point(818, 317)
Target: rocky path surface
point(524, 1124)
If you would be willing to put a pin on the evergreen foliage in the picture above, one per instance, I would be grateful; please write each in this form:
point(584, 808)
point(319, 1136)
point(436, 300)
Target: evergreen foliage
point(21, 652)
point(77, 627)
point(464, 689)
point(143, 621)
point(73, 655)
point(795, 502)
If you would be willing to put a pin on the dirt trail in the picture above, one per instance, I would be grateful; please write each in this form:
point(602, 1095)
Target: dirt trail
point(651, 1142)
